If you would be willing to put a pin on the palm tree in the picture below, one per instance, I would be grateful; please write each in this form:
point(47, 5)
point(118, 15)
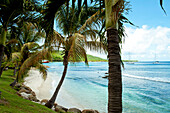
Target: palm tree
point(28, 57)
point(9, 14)
point(8, 53)
point(71, 25)
point(113, 9)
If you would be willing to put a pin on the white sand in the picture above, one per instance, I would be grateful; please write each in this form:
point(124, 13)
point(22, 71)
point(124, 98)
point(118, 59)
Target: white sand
point(45, 89)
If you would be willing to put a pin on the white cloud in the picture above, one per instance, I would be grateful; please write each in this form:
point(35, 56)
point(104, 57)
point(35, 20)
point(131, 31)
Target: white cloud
point(143, 43)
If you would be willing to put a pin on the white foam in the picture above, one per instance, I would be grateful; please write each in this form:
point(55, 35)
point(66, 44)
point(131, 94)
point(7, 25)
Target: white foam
point(156, 79)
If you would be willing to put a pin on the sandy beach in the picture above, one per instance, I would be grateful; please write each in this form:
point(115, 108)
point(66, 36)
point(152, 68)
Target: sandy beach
point(45, 89)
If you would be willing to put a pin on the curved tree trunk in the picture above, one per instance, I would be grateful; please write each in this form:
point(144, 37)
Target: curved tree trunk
point(15, 81)
point(15, 69)
point(115, 80)
point(50, 103)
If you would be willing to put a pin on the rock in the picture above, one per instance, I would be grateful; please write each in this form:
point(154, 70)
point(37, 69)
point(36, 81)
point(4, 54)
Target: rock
point(33, 98)
point(55, 104)
point(89, 111)
point(18, 85)
point(59, 108)
point(18, 94)
point(33, 93)
point(44, 101)
point(74, 110)
point(25, 95)
point(27, 88)
point(23, 90)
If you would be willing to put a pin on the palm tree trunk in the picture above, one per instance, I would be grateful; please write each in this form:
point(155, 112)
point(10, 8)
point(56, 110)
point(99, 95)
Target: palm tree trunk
point(50, 103)
point(15, 81)
point(1, 70)
point(115, 80)
point(15, 69)
point(2, 45)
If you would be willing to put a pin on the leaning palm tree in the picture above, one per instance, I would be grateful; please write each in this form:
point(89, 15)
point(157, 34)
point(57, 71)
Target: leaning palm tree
point(113, 9)
point(29, 57)
point(10, 11)
point(74, 40)
point(74, 51)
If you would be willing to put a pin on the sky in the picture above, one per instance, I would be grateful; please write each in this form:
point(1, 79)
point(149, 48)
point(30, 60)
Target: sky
point(149, 41)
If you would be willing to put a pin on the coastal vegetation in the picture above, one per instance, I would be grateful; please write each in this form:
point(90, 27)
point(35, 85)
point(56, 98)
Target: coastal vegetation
point(30, 20)
point(10, 102)
point(57, 56)
point(76, 32)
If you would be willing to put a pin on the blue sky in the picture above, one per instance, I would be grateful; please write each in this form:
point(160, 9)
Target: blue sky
point(152, 37)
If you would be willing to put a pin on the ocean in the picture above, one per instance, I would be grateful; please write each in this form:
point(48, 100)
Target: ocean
point(146, 86)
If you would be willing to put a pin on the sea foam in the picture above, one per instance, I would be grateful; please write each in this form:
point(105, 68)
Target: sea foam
point(155, 79)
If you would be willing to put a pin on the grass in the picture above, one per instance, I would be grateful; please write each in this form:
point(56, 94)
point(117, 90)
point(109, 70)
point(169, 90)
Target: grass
point(10, 102)
point(57, 56)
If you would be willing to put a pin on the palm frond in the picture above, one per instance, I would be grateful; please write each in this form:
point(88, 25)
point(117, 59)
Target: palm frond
point(12, 41)
point(16, 56)
point(89, 21)
point(33, 60)
point(77, 52)
point(28, 46)
point(42, 70)
point(161, 4)
point(97, 46)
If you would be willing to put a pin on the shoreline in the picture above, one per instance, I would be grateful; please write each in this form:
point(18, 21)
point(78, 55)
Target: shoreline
point(44, 89)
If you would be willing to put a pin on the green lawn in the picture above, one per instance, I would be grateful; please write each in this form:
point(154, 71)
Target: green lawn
point(10, 102)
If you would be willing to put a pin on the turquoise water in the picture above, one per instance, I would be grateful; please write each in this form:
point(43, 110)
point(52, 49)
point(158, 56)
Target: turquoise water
point(146, 86)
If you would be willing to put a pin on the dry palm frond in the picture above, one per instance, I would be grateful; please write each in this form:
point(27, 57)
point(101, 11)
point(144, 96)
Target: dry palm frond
point(33, 60)
point(58, 38)
point(28, 46)
point(77, 52)
point(42, 70)
point(16, 56)
point(117, 10)
point(90, 34)
point(97, 46)
point(89, 21)
point(12, 41)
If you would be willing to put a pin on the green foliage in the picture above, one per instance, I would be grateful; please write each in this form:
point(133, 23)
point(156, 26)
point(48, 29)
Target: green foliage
point(10, 102)
point(57, 56)
point(95, 59)
point(130, 60)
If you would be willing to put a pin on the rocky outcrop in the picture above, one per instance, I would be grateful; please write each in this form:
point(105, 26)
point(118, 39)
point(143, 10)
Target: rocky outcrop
point(26, 92)
point(74, 110)
point(43, 101)
point(90, 111)
point(59, 108)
